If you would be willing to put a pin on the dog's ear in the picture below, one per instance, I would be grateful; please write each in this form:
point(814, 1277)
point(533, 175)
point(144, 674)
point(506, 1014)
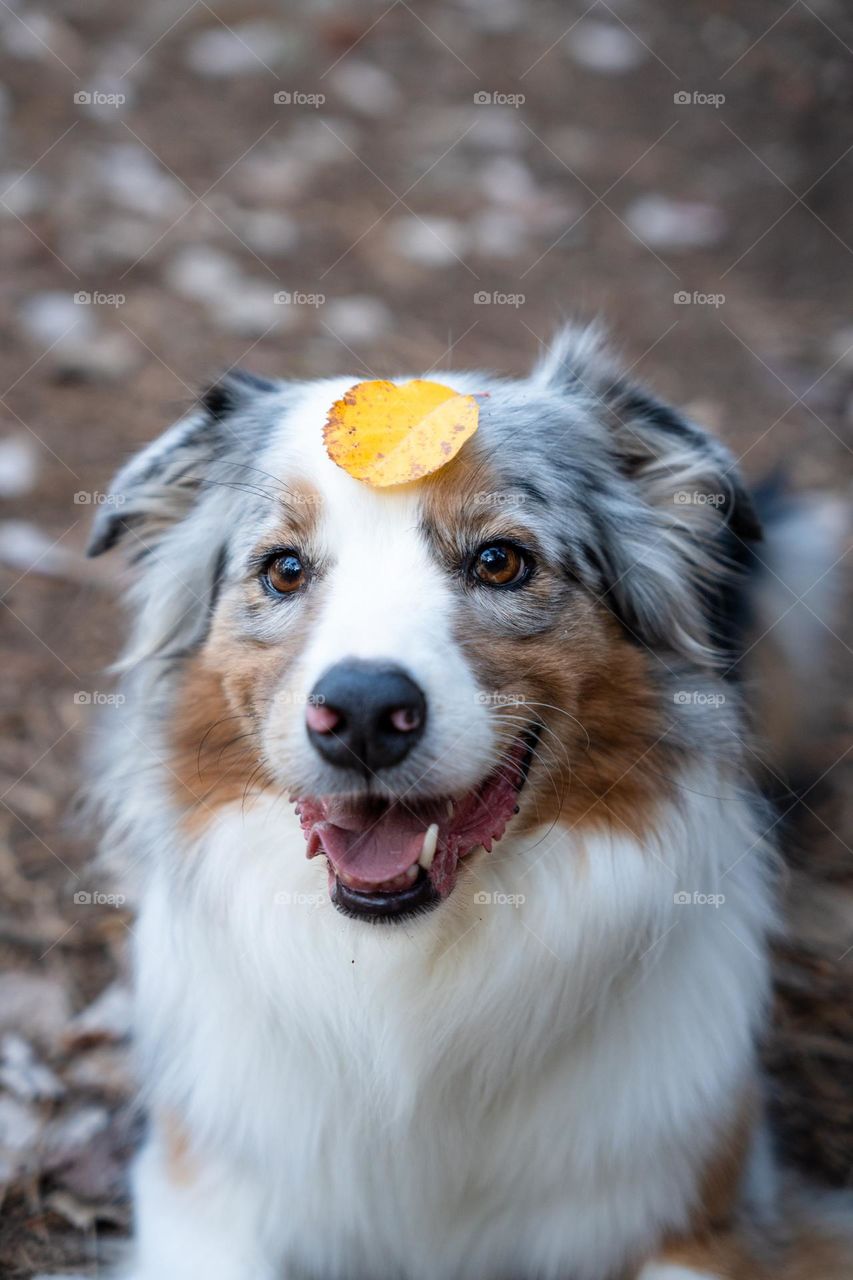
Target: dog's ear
point(671, 460)
point(160, 484)
point(173, 507)
point(673, 550)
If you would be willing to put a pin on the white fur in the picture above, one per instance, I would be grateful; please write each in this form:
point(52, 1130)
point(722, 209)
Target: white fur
point(492, 1090)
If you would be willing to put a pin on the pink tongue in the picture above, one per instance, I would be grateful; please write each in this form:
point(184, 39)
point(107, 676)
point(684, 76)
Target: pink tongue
point(384, 849)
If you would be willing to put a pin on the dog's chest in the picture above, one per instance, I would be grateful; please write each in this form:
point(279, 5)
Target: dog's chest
point(520, 1099)
point(455, 1174)
point(425, 1132)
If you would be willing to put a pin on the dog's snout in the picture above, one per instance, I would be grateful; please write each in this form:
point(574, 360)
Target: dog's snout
point(365, 715)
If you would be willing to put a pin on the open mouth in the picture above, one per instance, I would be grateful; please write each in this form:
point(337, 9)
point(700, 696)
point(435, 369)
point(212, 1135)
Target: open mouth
point(388, 859)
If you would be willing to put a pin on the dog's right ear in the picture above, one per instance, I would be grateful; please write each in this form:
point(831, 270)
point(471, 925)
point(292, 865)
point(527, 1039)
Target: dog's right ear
point(158, 486)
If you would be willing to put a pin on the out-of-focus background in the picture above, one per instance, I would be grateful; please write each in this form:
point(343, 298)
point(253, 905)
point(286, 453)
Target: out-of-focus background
point(370, 188)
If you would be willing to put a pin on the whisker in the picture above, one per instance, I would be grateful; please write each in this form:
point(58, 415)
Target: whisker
point(563, 712)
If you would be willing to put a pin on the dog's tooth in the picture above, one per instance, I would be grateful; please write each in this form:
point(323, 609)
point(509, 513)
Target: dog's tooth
point(429, 846)
point(411, 874)
point(450, 808)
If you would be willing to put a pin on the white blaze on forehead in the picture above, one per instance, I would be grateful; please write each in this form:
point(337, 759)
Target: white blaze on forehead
point(386, 592)
point(385, 596)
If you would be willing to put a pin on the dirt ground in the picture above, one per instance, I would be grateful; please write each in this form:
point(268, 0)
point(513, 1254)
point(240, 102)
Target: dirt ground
point(311, 188)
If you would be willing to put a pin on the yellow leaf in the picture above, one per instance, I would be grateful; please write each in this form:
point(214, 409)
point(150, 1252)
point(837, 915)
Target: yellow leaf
point(384, 434)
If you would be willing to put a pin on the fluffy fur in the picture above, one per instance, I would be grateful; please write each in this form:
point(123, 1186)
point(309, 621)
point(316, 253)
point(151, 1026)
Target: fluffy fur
point(552, 1074)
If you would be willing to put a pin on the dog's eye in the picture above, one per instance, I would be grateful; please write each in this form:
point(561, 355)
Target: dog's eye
point(284, 574)
point(501, 564)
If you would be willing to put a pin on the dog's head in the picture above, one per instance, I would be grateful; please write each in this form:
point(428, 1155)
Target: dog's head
point(420, 667)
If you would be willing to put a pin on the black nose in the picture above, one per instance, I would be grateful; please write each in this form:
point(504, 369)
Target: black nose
point(365, 715)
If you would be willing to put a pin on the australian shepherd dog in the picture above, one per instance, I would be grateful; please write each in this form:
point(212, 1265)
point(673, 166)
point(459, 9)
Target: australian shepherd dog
point(455, 891)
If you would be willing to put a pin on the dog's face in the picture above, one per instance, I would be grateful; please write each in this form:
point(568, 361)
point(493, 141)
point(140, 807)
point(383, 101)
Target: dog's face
point(419, 668)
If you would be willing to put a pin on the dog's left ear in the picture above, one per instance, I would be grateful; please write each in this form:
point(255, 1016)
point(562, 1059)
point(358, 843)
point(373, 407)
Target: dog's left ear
point(673, 461)
point(679, 522)
point(158, 487)
point(676, 463)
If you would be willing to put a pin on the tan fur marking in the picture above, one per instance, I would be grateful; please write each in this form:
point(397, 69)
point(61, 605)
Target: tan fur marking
point(811, 1256)
point(225, 688)
point(300, 503)
point(213, 759)
point(722, 1247)
point(723, 1177)
point(180, 1164)
point(603, 757)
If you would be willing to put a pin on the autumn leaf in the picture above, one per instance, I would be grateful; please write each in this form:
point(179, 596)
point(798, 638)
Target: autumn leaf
point(386, 434)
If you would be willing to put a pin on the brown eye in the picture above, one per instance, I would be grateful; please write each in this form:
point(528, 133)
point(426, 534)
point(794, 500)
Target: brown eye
point(501, 564)
point(285, 574)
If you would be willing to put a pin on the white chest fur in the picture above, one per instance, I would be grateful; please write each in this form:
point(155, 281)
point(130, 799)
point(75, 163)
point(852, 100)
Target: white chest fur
point(527, 1081)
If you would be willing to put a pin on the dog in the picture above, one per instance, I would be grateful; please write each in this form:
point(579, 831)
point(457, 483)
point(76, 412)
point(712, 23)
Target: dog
point(455, 889)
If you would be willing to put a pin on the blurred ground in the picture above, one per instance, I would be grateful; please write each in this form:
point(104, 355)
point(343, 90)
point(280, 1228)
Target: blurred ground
point(436, 185)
